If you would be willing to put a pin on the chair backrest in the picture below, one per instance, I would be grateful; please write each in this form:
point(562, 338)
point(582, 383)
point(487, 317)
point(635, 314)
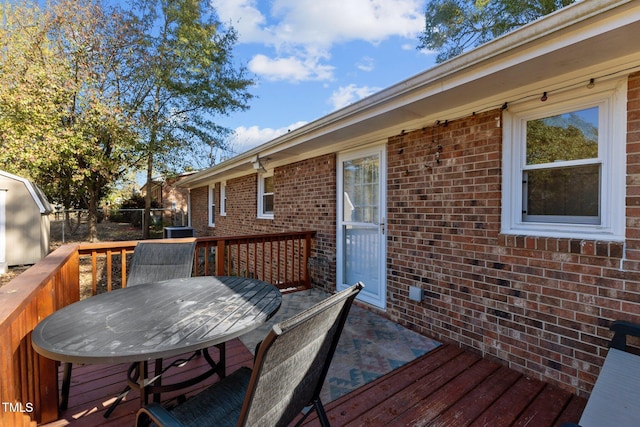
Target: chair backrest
point(156, 261)
point(292, 361)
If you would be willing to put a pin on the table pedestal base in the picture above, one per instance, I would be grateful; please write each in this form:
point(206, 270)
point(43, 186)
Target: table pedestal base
point(137, 377)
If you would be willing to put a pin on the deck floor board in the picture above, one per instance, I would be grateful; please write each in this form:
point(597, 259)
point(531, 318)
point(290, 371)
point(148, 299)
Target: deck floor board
point(446, 387)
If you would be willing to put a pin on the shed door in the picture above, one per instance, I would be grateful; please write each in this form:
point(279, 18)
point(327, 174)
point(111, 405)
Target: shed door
point(361, 223)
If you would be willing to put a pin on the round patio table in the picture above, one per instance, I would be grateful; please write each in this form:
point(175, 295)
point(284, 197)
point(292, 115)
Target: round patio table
point(156, 321)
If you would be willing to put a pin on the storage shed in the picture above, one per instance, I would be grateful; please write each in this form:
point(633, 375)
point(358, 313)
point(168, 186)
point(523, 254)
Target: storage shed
point(24, 222)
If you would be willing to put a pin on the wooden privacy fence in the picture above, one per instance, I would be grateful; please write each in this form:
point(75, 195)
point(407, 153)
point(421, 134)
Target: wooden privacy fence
point(28, 381)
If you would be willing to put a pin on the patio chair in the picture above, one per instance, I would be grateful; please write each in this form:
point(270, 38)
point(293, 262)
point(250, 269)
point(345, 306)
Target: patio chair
point(152, 262)
point(288, 373)
point(615, 396)
point(156, 261)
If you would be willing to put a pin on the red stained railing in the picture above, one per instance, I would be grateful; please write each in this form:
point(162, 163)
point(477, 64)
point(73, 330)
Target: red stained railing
point(28, 381)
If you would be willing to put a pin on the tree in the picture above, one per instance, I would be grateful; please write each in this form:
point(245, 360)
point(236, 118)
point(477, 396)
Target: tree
point(64, 120)
point(453, 26)
point(100, 48)
point(32, 88)
point(189, 79)
point(88, 92)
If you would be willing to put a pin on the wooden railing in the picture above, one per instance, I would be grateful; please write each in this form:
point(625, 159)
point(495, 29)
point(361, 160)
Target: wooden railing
point(280, 259)
point(28, 382)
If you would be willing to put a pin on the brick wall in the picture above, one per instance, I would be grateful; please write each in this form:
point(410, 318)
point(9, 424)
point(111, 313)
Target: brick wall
point(199, 210)
point(542, 305)
point(633, 168)
point(304, 199)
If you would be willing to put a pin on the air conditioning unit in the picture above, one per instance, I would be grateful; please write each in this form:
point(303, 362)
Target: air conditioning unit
point(174, 232)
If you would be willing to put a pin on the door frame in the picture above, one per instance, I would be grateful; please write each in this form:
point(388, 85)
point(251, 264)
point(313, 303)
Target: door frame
point(377, 299)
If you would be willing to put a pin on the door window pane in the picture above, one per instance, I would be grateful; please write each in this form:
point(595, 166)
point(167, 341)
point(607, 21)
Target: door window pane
point(361, 247)
point(361, 189)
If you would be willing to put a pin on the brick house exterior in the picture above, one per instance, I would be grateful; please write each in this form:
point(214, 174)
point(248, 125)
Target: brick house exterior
point(539, 302)
point(173, 199)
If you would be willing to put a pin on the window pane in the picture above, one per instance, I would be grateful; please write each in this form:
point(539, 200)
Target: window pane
point(567, 193)
point(223, 198)
point(267, 203)
point(570, 136)
point(268, 185)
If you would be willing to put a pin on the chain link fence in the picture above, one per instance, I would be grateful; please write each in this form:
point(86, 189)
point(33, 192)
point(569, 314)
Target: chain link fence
point(73, 221)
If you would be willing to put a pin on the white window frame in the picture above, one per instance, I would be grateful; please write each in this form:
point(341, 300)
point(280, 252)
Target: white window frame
point(261, 194)
point(212, 205)
point(223, 198)
point(611, 98)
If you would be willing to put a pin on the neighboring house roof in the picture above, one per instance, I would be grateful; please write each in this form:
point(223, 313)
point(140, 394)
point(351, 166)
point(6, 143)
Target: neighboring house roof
point(588, 39)
point(160, 181)
point(36, 193)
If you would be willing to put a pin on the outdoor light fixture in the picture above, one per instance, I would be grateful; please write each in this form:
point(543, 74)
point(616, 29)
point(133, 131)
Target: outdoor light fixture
point(257, 164)
point(592, 83)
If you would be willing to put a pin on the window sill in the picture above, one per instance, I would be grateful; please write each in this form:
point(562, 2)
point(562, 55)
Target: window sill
point(601, 248)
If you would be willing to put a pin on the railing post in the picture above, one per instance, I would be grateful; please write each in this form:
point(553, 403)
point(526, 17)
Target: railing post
point(307, 255)
point(220, 258)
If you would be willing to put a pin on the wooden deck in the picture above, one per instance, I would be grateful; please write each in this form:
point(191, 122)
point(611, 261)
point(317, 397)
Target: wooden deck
point(447, 387)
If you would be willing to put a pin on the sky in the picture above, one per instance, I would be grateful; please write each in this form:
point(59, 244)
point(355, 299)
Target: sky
point(310, 58)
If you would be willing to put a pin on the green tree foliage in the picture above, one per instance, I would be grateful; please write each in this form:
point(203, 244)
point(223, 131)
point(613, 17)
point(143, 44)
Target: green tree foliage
point(90, 92)
point(33, 89)
point(63, 119)
point(190, 79)
point(453, 26)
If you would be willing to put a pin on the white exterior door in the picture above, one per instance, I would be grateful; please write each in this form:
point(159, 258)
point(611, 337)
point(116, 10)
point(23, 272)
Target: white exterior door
point(361, 245)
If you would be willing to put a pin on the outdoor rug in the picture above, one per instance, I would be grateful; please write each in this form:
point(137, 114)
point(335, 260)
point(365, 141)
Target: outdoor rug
point(370, 346)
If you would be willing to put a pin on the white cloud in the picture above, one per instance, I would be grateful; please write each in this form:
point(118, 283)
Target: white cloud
point(346, 95)
point(307, 29)
point(332, 21)
point(290, 68)
point(366, 64)
point(243, 15)
point(246, 138)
